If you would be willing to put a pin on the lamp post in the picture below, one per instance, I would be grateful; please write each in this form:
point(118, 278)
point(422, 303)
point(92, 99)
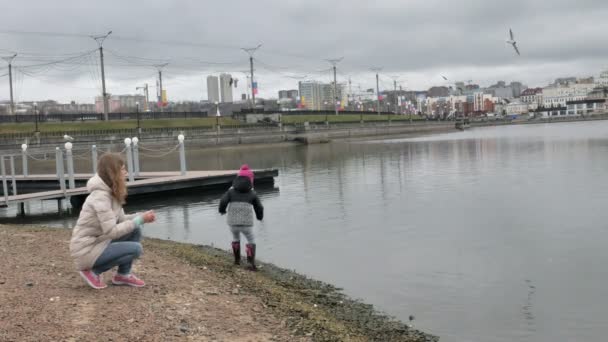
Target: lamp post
point(217, 114)
point(137, 109)
point(36, 116)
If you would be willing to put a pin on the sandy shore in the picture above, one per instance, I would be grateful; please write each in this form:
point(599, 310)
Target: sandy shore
point(192, 293)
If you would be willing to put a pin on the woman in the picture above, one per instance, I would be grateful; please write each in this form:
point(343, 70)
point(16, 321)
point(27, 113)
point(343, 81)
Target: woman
point(104, 236)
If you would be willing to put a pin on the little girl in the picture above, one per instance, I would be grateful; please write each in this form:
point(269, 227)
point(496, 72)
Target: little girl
point(241, 200)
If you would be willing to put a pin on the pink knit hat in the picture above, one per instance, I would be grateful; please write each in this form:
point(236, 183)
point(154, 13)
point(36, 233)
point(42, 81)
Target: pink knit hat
point(245, 171)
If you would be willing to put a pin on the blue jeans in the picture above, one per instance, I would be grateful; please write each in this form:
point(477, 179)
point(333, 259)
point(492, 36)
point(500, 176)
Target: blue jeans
point(120, 252)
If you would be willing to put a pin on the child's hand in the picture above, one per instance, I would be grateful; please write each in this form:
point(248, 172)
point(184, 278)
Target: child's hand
point(149, 216)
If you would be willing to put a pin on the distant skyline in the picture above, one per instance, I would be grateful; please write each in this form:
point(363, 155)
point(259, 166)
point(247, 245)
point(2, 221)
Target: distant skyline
point(417, 41)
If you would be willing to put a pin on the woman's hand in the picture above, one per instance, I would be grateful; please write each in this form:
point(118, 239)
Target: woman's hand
point(149, 216)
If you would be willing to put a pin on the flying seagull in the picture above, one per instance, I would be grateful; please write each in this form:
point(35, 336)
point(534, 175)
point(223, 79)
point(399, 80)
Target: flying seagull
point(445, 78)
point(513, 42)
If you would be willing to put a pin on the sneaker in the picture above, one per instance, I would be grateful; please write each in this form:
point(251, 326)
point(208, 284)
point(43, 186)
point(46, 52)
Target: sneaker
point(130, 280)
point(93, 279)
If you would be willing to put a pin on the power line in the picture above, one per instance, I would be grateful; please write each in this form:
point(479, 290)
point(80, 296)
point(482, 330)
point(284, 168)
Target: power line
point(58, 61)
point(48, 34)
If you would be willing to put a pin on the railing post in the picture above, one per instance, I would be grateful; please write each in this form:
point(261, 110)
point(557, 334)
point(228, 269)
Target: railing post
point(70, 161)
point(129, 159)
point(13, 175)
point(94, 158)
point(60, 170)
point(4, 185)
point(135, 141)
point(24, 159)
point(182, 154)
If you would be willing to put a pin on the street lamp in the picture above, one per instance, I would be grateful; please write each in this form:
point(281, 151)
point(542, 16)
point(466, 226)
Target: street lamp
point(325, 108)
point(138, 126)
point(36, 116)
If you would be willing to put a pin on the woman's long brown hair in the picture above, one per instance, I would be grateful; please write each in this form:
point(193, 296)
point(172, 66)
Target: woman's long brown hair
point(109, 169)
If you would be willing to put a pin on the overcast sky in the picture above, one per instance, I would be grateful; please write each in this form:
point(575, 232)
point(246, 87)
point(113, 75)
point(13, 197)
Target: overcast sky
point(415, 40)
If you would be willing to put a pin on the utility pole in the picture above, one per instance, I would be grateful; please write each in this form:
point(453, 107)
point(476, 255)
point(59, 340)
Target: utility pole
point(333, 63)
point(145, 88)
point(100, 39)
point(401, 92)
point(247, 93)
point(9, 60)
point(376, 69)
point(396, 95)
point(351, 98)
point(251, 51)
point(160, 85)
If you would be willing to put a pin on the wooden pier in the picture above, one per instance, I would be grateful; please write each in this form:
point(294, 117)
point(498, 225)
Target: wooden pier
point(144, 183)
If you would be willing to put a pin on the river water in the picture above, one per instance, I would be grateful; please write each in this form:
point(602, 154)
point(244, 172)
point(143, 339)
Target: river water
point(492, 234)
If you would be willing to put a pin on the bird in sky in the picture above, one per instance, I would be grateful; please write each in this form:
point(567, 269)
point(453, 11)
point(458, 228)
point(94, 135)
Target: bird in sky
point(513, 42)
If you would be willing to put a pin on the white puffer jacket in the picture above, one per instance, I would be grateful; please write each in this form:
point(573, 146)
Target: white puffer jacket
point(101, 220)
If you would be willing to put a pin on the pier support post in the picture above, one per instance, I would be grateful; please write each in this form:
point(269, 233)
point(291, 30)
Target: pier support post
point(129, 159)
point(24, 159)
point(182, 154)
point(60, 206)
point(94, 158)
point(70, 161)
point(135, 141)
point(13, 175)
point(4, 185)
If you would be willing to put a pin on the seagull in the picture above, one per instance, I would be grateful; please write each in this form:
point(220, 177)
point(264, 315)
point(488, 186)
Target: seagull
point(513, 42)
point(445, 78)
point(67, 138)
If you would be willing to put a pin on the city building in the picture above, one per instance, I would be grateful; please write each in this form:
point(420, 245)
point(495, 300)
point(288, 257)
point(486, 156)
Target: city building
point(602, 81)
point(120, 103)
point(532, 96)
point(547, 112)
point(502, 92)
point(213, 94)
point(515, 108)
point(320, 96)
point(438, 92)
point(517, 88)
point(559, 94)
point(288, 94)
point(483, 103)
point(585, 107)
point(226, 88)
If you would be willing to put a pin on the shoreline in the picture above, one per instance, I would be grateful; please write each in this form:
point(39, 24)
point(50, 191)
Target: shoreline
point(256, 138)
point(304, 308)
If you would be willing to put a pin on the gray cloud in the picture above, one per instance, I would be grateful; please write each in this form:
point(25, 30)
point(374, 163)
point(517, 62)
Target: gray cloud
point(415, 40)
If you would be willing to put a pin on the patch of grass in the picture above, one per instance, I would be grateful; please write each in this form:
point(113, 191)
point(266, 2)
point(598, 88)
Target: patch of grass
point(112, 125)
point(54, 127)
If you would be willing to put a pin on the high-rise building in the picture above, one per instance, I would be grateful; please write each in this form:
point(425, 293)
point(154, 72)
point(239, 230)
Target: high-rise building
point(288, 94)
point(310, 95)
point(226, 88)
point(213, 94)
point(320, 96)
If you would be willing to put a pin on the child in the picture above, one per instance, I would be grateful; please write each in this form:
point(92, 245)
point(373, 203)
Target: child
point(104, 236)
point(240, 199)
